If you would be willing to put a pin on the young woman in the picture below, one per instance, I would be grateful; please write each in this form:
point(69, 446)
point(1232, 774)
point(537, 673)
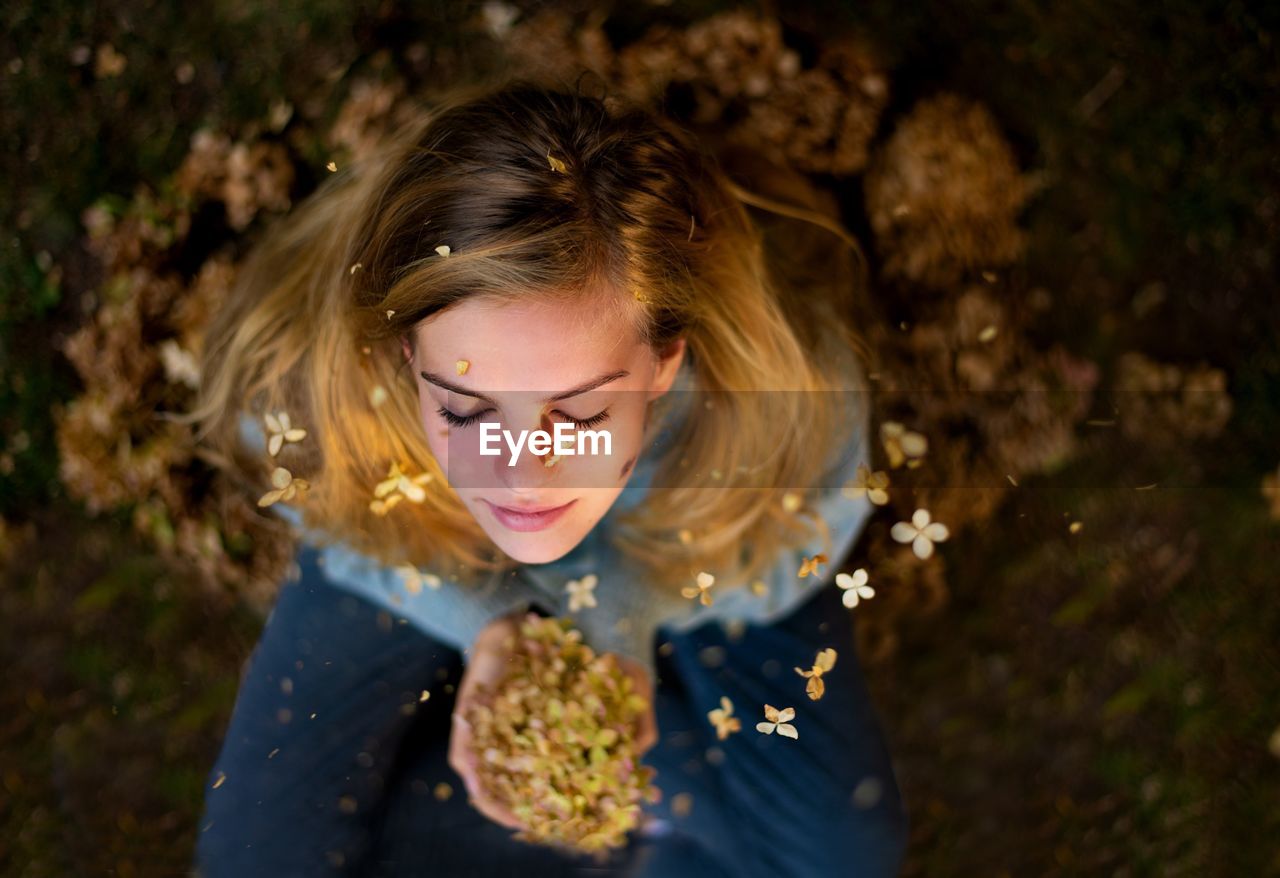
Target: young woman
point(527, 258)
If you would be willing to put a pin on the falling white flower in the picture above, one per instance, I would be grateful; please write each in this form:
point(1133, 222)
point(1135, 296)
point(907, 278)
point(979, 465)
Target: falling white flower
point(397, 486)
point(703, 590)
point(286, 487)
point(723, 719)
point(855, 587)
point(414, 578)
point(581, 592)
point(281, 430)
point(872, 484)
point(921, 532)
point(902, 445)
point(810, 565)
point(825, 661)
point(180, 367)
point(443, 250)
point(779, 721)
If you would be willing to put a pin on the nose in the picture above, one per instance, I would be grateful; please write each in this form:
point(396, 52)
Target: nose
point(530, 473)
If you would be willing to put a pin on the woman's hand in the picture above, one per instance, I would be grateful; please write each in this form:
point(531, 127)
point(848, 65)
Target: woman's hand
point(486, 664)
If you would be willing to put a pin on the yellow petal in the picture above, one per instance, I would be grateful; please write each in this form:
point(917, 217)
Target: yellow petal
point(556, 164)
point(412, 492)
point(462, 366)
point(767, 728)
point(443, 250)
point(788, 731)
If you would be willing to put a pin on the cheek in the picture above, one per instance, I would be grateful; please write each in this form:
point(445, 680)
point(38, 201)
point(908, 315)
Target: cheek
point(626, 430)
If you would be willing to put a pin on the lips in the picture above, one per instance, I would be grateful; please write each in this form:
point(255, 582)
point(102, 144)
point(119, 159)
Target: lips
point(525, 519)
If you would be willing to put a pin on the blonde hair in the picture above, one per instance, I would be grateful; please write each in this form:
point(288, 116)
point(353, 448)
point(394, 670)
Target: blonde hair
point(641, 206)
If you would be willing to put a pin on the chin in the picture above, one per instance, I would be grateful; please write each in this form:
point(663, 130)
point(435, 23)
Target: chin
point(536, 551)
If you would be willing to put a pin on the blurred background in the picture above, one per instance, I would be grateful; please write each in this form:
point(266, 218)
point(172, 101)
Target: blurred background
point(1077, 205)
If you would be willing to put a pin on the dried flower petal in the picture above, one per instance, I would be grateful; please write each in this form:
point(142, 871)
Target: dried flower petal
point(810, 565)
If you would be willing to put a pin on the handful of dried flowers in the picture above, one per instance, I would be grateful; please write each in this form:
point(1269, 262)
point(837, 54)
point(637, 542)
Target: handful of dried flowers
point(554, 741)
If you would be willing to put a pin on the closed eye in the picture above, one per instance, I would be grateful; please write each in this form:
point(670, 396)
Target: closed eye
point(456, 420)
point(587, 423)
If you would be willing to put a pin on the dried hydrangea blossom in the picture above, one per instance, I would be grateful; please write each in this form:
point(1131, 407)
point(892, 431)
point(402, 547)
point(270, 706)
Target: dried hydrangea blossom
point(1160, 402)
point(810, 565)
point(701, 591)
point(280, 430)
point(921, 532)
point(398, 486)
point(944, 193)
point(554, 741)
point(779, 721)
point(855, 587)
point(902, 445)
point(825, 661)
point(723, 720)
point(414, 578)
point(286, 487)
point(872, 484)
point(246, 177)
point(581, 592)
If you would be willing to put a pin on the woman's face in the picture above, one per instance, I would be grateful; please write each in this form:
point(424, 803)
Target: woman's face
point(530, 366)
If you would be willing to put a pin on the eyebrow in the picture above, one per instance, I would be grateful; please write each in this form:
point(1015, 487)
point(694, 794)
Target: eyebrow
point(574, 391)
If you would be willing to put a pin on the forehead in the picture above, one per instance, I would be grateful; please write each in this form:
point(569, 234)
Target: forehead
point(533, 344)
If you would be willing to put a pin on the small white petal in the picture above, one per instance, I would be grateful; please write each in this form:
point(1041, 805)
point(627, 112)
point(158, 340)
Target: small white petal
point(903, 532)
point(922, 546)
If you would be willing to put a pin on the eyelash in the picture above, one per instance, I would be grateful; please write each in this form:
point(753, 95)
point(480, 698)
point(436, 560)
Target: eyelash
point(455, 420)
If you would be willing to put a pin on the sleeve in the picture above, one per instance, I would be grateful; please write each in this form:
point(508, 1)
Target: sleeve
point(826, 803)
point(327, 697)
